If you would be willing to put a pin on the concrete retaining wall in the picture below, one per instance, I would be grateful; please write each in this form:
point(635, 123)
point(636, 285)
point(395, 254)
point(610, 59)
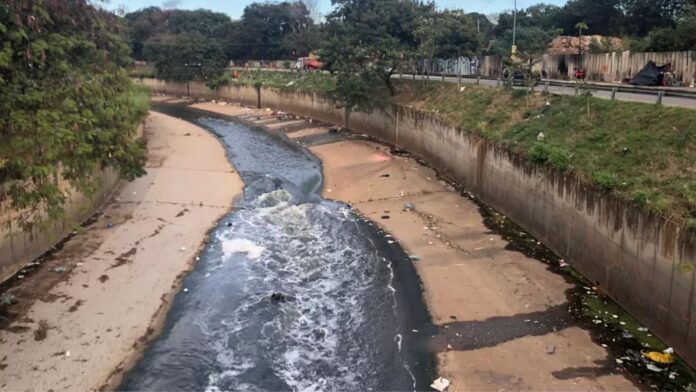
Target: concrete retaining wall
point(18, 247)
point(644, 262)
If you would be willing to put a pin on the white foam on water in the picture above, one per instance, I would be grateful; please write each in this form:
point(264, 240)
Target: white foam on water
point(241, 245)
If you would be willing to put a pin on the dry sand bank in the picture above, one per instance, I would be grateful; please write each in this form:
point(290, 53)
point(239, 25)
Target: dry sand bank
point(83, 330)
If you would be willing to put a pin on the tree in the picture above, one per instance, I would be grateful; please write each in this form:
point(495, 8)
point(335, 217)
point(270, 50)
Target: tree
point(682, 37)
point(273, 31)
point(455, 34)
point(186, 56)
point(644, 16)
point(68, 107)
point(604, 17)
point(532, 42)
point(150, 23)
point(368, 40)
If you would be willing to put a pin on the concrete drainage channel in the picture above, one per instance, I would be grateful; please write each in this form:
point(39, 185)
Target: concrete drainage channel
point(634, 349)
point(616, 245)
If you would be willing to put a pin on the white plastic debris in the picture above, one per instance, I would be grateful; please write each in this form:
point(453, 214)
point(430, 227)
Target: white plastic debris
point(67, 353)
point(562, 263)
point(183, 249)
point(541, 136)
point(653, 368)
point(185, 290)
point(440, 384)
point(669, 351)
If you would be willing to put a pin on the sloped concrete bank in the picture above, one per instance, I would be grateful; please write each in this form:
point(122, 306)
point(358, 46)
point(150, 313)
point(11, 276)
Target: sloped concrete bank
point(644, 262)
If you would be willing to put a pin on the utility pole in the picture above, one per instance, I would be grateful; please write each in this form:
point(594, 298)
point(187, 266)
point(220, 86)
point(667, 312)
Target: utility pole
point(514, 32)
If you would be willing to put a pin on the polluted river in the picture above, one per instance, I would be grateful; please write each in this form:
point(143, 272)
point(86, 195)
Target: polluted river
point(292, 291)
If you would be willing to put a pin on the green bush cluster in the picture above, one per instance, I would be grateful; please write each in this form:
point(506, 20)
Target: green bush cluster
point(547, 153)
point(68, 107)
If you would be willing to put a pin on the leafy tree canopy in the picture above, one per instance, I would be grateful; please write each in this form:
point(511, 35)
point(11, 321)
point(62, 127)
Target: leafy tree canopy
point(68, 107)
point(367, 42)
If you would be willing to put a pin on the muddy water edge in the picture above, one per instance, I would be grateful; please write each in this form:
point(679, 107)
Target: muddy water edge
point(292, 292)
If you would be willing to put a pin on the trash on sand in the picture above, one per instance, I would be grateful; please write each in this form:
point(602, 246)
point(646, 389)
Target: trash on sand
point(7, 299)
point(449, 347)
point(663, 358)
point(440, 384)
point(67, 353)
point(59, 270)
point(183, 249)
point(408, 206)
point(562, 263)
point(414, 257)
point(653, 368)
point(541, 136)
point(109, 225)
point(550, 349)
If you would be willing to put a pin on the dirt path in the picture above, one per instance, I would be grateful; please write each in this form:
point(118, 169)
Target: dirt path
point(504, 315)
point(91, 322)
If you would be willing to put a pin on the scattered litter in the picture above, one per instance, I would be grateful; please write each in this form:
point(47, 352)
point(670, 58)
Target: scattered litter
point(198, 258)
point(642, 329)
point(653, 368)
point(618, 361)
point(673, 375)
point(663, 358)
point(20, 276)
point(550, 349)
point(59, 270)
point(390, 242)
point(67, 353)
point(440, 384)
point(562, 263)
point(414, 257)
point(79, 264)
point(669, 350)
point(604, 345)
point(183, 249)
point(541, 136)
point(385, 175)
point(449, 347)
point(385, 216)
point(414, 330)
point(408, 206)
point(109, 225)
point(462, 89)
point(329, 190)
point(185, 290)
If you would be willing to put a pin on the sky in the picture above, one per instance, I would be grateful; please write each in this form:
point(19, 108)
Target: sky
point(234, 8)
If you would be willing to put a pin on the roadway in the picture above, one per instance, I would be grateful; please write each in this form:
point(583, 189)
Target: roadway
point(642, 97)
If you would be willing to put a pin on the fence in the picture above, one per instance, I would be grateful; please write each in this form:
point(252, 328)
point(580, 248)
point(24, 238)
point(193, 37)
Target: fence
point(599, 67)
point(617, 66)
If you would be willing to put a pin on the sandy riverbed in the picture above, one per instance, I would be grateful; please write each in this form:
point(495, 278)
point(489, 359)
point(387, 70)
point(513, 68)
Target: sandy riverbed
point(83, 330)
point(503, 302)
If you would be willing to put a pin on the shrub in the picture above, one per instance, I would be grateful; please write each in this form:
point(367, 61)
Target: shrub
point(605, 180)
point(553, 155)
point(220, 81)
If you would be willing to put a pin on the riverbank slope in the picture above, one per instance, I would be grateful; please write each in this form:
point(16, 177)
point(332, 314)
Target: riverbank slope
point(85, 315)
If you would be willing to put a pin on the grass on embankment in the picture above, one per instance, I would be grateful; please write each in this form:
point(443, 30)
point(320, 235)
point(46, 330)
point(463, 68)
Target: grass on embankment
point(644, 153)
point(295, 81)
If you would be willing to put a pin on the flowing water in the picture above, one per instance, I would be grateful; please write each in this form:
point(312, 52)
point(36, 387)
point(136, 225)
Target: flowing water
point(292, 292)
